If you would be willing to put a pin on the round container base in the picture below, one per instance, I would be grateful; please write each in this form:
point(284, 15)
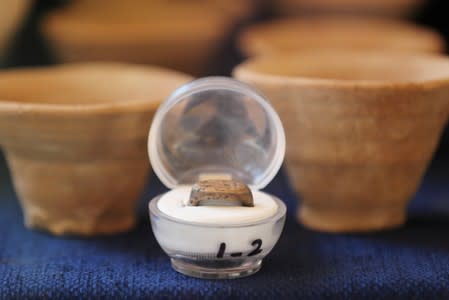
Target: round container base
point(351, 221)
point(193, 270)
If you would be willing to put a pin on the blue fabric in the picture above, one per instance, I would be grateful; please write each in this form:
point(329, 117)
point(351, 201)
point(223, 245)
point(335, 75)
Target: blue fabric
point(408, 263)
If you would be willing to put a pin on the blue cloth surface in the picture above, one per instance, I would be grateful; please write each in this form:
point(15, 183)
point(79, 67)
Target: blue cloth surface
point(411, 262)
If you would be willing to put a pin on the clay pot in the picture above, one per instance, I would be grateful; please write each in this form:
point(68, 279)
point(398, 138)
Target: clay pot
point(180, 36)
point(12, 13)
point(230, 9)
point(361, 129)
point(334, 33)
point(389, 8)
point(74, 138)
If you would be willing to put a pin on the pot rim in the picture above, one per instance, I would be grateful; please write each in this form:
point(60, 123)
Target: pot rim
point(11, 106)
point(247, 70)
point(56, 25)
point(259, 35)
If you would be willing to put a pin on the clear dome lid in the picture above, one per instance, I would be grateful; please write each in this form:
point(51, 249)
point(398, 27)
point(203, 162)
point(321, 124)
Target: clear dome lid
point(216, 125)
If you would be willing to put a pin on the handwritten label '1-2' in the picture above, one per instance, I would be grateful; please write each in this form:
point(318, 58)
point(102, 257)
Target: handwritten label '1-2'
point(256, 243)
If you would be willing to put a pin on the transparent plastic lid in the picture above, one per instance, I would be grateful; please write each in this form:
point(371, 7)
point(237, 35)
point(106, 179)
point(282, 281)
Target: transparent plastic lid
point(216, 125)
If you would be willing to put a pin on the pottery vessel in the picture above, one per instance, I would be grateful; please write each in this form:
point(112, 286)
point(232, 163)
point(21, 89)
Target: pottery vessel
point(231, 9)
point(176, 35)
point(12, 13)
point(385, 8)
point(334, 33)
point(361, 130)
point(74, 138)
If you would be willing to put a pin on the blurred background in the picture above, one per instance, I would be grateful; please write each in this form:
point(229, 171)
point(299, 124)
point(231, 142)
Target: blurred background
point(201, 37)
point(31, 44)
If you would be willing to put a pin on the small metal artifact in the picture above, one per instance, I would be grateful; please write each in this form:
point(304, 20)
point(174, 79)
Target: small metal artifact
point(221, 192)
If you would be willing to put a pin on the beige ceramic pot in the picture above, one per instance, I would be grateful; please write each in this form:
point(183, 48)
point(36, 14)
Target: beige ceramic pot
point(390, 8)
point(12, 13)
point(334, 33)
point(361, 129)
point(235, 10)
point(180, 36)
point(75, 141)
